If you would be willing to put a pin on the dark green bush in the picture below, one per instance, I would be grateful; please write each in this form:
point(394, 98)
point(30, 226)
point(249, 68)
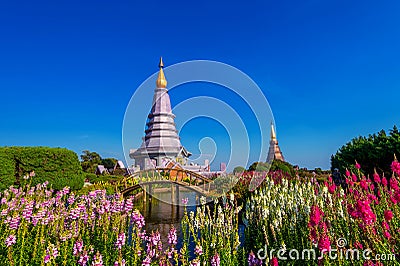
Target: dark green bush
point(7, 168)
point(373, 152)
point(284, 166)
point(59, 166)
point(239, 170)
point(276, 165)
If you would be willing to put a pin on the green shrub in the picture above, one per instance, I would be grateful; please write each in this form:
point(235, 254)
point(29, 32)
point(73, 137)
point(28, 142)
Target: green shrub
point(239, 170)
point(104, 178)
point(276, 165)
point(90, 177)
point(59, 166)
point(373, 152)
point(7, 168)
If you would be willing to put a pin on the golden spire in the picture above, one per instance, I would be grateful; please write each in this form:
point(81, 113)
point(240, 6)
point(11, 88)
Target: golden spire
point(161, 81)
point(273, 135)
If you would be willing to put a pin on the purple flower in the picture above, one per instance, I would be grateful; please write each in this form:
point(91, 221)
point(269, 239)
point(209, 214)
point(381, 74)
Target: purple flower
point(97, 259)
point(146, 261)
point(198, 250)
point(155, 238)
point(185, 201)
point(120, 241)
point(195, 262)
point(14, 222)
point(46, 259)
point(83, 259)
point(55, 252)
point(215, 261)
point(253, 261)
point(172, 238)
point(78, 246)
point(10, 240)
point(138, 219)
point(119, 264)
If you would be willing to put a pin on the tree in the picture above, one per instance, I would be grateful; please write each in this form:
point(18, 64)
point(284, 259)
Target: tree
point(239, 170)
point(373, 152)
point(109, 162)
point(90, 160)
point(276, 165)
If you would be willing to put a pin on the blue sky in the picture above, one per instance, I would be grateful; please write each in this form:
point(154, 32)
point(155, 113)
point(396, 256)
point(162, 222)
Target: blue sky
point(329, 69)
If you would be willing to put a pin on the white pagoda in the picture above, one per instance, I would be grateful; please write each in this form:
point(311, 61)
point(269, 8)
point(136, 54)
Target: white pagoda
point(161, 142)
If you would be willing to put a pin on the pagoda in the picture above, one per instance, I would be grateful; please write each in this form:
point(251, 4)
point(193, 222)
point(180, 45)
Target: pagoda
point(274, 152)
point(161, 142)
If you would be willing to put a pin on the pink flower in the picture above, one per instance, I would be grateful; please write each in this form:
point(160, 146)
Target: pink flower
point(393, 184)
point(10, 240)
point(395, 167)
point(371, 186)
point(388, 215)
point(332, 188)
point(46, 259)
point(185, 201)
point(387, 234)
point(363, 184)
point(358, 245)
point(315, 216)
point(77, 247)
point(172, 238)
point(198, 250)
point(324, 244)
point(362, 210)
point(83, 259)
point(215, 260)
point(274, 261)
point(347, 173)
point(120, 241)
point(384, 181)
point(138, 219)
point(377, 179)
point(385, 225)
point(358, 166)
point(97, 259)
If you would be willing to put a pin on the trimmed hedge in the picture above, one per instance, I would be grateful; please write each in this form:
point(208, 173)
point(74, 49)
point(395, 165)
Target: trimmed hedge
point(59, 166)
point(7, 168)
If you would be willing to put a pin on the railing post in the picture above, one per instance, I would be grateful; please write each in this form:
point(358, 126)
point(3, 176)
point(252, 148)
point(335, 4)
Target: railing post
point(177, 194)
point(150, 191)
point(173, 194)
point(144, 193)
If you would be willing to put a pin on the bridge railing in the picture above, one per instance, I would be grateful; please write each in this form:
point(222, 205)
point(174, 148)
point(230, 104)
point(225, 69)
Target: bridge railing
point(181, 176)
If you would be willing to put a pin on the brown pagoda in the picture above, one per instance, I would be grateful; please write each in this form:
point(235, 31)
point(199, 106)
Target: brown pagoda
point(274, 152)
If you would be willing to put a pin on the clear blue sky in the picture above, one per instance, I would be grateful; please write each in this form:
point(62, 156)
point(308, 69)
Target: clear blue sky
point(329, 69)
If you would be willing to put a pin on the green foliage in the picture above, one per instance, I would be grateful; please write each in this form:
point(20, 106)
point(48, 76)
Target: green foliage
point(276, 165)
point(7, 167)
point(60, 167)
point(239, 170)
point(284, 166)
point(374, 151)
point(109, 188)
point(104, 178)
point(89, 177)
point(259, 167)
point(90, 160)
point(108, 162)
